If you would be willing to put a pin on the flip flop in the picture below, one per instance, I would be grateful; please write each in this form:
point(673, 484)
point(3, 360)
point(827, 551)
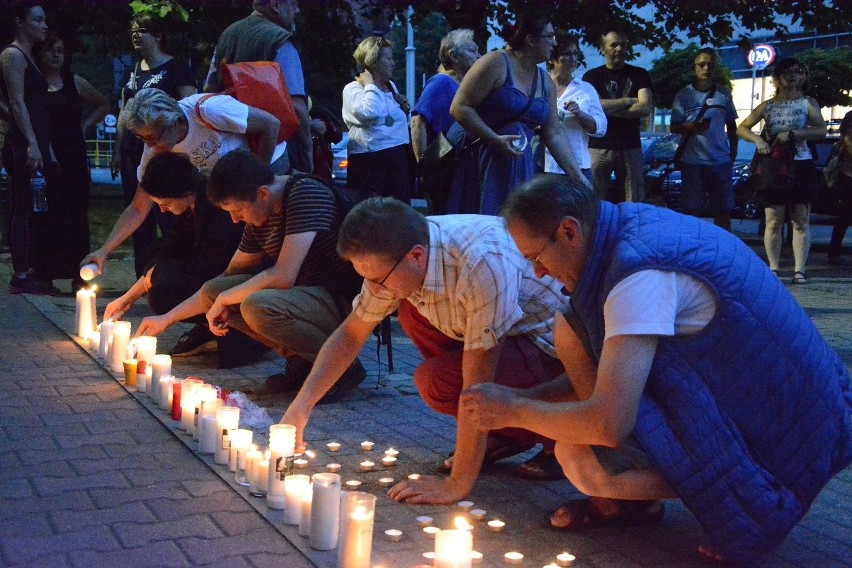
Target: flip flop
point(584, 514)
point(498, 449)
point(541, 467)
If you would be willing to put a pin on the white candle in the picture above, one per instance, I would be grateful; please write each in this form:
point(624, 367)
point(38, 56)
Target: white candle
point(162, 366)
point(305, 510)
point(333, 468)
point(300, 463)
point(94, 341)
point(106, 330)
point(565, 559)
point(294, 488)
point(431, 531)
point(118, 350)
point(367, 465)
point(260, 470)
point(166, 392)
point(240, 438)
point(388, 461)
point(475, 557)
point(414, 476)
point(188, 387)
point(252, 460)
point(207, 437)
point(227, 418)
point(453, 548)
point(325, 511)
point(333, 446)
point(353, 485)
point(85, 315)
point(465, 505)
point(478, 514)
point(513, 557)
point(386, 481)
point(391, 452)
point(393, 535)
point(424, 521)
point(88, 271)
point(146, 348)
point(496, 525)
point(282, 447)
point(203, 393)
point(356, 530)
point(367, 446)
point(143, 377)
point(241, 475)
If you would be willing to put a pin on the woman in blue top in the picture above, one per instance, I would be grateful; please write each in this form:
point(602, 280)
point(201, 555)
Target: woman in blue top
point(503, 98)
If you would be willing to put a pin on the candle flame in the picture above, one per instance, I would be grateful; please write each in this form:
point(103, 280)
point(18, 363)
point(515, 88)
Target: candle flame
point(93, 289)
point(462, 524)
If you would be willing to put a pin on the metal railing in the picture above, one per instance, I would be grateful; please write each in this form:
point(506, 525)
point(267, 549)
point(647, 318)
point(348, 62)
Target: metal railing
point(99, 153)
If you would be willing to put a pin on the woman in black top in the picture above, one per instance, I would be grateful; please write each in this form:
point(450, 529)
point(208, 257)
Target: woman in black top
point(27, 147)
point(157, 69)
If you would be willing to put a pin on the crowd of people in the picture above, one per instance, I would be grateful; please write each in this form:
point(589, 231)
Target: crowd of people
point(553, 309)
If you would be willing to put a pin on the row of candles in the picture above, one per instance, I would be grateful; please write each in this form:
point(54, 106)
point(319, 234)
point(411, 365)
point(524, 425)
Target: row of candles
point(328, 517)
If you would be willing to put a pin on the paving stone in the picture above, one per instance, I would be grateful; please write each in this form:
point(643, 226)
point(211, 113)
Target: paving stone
point(220, 549)
point(69, 520)
point(164, 553)
point(263, 560)
point(29, 549)
point(136, 534)
point(47, 486)
point(233, 524)
point(169, 508)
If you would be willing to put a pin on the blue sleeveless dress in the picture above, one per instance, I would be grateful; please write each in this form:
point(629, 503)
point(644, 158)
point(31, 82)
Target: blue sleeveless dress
point(485, 176)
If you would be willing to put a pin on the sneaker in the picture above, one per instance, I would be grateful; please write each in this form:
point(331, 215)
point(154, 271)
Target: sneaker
point(292, 378)
point(30, 285)
point(195, 341)
point(353, 377)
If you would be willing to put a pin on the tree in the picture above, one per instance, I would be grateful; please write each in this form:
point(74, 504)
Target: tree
point(830, 75)
point(674, 70)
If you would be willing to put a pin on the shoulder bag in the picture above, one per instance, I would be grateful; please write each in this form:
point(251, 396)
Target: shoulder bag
point(773, 172)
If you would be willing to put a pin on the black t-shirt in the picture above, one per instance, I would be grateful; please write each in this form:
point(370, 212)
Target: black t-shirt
point(621, 133)
point(167, 77)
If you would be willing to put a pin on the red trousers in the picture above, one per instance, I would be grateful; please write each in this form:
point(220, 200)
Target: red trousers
point(439, 378)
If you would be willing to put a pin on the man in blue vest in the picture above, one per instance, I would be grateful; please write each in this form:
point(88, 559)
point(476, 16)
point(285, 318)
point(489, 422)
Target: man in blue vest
point(695, 374)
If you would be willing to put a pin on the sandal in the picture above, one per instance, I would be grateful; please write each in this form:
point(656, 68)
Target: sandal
point(541, 467)
point(498, 448)
point(586, 514)
point(800, 278)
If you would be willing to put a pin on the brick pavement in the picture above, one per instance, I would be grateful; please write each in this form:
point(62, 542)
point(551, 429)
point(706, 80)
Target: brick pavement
point(94, 475)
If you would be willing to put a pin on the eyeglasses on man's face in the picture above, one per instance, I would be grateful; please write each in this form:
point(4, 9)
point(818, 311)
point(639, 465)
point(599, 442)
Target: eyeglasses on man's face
point(381, 283)
point(550, 241)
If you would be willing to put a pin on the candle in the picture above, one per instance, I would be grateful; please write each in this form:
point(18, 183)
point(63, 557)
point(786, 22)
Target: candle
point(513, 558)
point(393, 535)
point(333, 446)
point(310, 455)
point(94, 342)
point(430, 556)
point(424, 521)
point(325, 511)
point(129, 372)
point(465, 505)
point(85, 312)
point(164, 401)
point(430, 531)
point(162, 366)
point(386, 481)
point(391, 452)
point(565, 559)
point(478, 514)
point(294, 488)
point(353, 485)
point(146, 349)
point(106, 330)
point(551, 565)
point(282, 446)
point(333, 468)
point(475, 557)
point(118, 350)
point(187, 402)
point(88, 271)
point(143, 377)
point(356, 530)
point(462, 524)
point(388, 461)
point(227, 419)
point(367, 446)
point(367, 465)
point(414, 477)
point(131, 348)
point(203, 393)
point(175, 400)
point(300, 463)
point(241, 475)
point(240, 438)
point(453, 548)
point(305, 510)
point(496, 525)
point(207, 438)
point(253, 468)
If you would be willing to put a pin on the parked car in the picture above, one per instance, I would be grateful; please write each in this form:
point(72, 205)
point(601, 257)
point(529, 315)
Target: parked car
point(340, 160)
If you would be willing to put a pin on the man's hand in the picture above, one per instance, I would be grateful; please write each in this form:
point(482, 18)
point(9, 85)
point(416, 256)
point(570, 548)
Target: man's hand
point(217, 317)
point(153, 325)
point(115, 164)
point(116, 309)
point(99, 257)
point(428, 489)
point(297, 416)
point(488, 405)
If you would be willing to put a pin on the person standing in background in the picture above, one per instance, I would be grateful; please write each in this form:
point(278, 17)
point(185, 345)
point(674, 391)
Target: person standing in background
point(626, 97)
point(843, 191)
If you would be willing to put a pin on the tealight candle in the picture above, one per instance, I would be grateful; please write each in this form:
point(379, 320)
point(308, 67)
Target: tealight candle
point(391, 452)
point(393, 535)
point(367, 446)
point(478, 514)
point(353, 485)
point(496, 525)
point(333, 467)
point(367, 465)
point(385, 481)
point(551, 565)
point(475, 557)
point(424, 521)
point(430, 556)
point(414, 477)
point(310, 455)
point(333, 446)
point(513, 558)
point(565, 559)
point(465, 505)
point(388, 461)
point(430, 531)
point(300, 463)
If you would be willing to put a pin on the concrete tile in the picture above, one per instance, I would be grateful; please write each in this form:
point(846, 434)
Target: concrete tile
point(47, 486)
point(135, 534)
point(162, 553)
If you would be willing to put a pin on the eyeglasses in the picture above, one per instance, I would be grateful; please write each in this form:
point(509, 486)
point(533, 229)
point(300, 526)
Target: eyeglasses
point(550, 241)
point(381, 283)
point(151, 139)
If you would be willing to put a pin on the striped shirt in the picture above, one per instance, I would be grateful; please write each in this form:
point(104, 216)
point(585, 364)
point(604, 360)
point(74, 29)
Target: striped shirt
point(309, 206)
point(478, 287)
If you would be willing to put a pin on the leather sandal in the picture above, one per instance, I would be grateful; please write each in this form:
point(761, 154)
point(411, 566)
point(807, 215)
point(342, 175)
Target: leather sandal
point(586, 514)
point(498, 448)
point(541, 467)
point(800, 278)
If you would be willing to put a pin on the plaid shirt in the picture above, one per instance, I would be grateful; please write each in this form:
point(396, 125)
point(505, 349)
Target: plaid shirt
point(478, 287)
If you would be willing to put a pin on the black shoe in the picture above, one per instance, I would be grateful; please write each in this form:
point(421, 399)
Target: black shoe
point(195, 341)
point(292, 378)
point(353, 377)
point(30, 285)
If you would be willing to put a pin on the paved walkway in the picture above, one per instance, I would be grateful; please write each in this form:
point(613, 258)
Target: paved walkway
point(94, 475)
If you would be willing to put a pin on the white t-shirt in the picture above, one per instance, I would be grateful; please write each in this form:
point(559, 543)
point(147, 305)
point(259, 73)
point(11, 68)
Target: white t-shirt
point(656, 302)
point(374, 119)
point(589, 102)
point(204, 146)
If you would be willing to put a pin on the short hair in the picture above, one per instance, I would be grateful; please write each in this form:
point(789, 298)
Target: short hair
point(451, 44)
point(171, 175)
point(708, 51)
point(531, 22)
point(162, 28)
point(543, 201)
point(238, 175)
point(616, 32)
point(788, 63)
point(563, 40)
point(369, 51)
point(152, 107)
point(51, 39)
point(20, 10)
point(381, 226)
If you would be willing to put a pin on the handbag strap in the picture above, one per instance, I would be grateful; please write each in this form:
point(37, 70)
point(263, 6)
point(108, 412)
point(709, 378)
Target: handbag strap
point(200, 118)
point(682, 146)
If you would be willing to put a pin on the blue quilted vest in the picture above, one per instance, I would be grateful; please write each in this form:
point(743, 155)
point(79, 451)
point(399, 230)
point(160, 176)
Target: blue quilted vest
point(749, 418)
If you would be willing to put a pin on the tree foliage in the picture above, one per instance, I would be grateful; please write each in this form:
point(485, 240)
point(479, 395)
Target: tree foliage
point(674, 70)
point(830, 73)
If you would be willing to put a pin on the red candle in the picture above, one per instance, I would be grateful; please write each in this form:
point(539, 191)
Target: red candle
point(176, 401)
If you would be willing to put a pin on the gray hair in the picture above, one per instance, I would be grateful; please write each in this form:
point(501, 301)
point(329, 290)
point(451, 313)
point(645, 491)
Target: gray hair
point(152, 107)
point(451, 44)
point(541, 203)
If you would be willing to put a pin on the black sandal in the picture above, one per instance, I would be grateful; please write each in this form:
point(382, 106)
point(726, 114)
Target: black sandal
point(800, 278)
point(585, 514)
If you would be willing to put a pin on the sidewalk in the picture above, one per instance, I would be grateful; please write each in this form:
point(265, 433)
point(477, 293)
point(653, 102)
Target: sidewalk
point(94, 475)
